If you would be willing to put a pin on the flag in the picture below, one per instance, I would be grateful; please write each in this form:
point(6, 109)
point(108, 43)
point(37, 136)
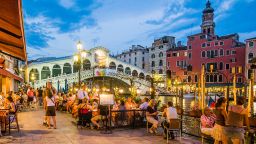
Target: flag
point(211, 103)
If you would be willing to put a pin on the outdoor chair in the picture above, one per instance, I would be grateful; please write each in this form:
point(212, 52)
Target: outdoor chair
point(12, 117)
point(175, 127)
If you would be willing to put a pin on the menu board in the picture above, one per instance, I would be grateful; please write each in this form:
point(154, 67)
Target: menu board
point(106, 99)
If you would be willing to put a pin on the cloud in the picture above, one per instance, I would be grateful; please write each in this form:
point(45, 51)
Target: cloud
point(67, 3)
point(116, 25)
point(247, 35)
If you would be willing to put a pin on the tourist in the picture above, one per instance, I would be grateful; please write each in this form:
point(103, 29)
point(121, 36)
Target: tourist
point(144, 104)
point(129, 106)
point(170, 113)
point(221, 116)
point(84, 113)
point(10, 105)
point(151, 116)
point(81, 93)
point(49, 105)
point(237, 115)
point(207, 121)
point(30, 95)
point(40, 96)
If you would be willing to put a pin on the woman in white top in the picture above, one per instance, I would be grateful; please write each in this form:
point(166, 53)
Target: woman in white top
point(50, 107)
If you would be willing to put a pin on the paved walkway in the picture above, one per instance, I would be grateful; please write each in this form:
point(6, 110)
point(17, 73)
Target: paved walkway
point(32, 132)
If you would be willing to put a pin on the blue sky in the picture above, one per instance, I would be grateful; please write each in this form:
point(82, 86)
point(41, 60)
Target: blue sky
point(53, 27)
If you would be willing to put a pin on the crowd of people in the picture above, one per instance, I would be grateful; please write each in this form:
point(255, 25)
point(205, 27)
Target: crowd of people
point(224, 125)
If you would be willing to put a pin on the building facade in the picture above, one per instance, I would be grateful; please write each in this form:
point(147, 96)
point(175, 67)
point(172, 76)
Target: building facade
point(177, 60)
point(157, 54)
point(12, 45)
point(250, 55)
point(137, 55)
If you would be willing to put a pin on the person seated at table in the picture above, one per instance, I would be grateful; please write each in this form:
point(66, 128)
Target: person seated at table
point(237, 117)
point(74, 108)
point(144, 104)
point(170, 113)
point(84, 112)
point(10, 105)
point(207, 121)
point(152, 116)
point(70, 102)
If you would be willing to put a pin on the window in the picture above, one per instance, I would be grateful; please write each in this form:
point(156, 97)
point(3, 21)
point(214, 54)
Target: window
point(185, 73)
point(168, 64)
point(189, 55)
point(250, 56)
point(160, 62)
point(135, 64)
point(152, 49)
point(208, 44)
point(216, 53)
point(168, 55)
point(227, 52)
point(203, 45)
point(153, 64)
point(185, 53)
point(212, 53)
point(135, 53)
point(143, 59)
point(208, 54)
point(160, 47)
point(239, 80)
point(203, 54)
point(129, 60)
point(221, 52)
point(161, 54)
point(135, 59)
point(221, 66)
point(220, 78)
point(216, 43)
point(124, 55)
point(251, 44)
point(143, 66)
point(233, 52)
point(202, 36)
point(189, 47)
point(160, 71)
point(129, 54)
point(233, 60)
point(195, 78)
point(143, 53)
point(174, 54)
point(177, 63)
point(153, 56)
point(221, 43)
point(227, 66)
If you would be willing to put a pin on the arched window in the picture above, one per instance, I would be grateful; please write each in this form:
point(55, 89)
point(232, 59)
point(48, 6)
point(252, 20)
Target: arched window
point(86, 64)
point(160, 71)
point(33, 75)
point(250, 56)
point(148, 77)
point(141, 76)
point(134, 73)
point(67, 68)
point(56, 70)
point(153, 71)
point(45, 72)
point(161, 54)
point(221, 66)
point(160, 62)
point(127, 71)
point(153, 64)
point(203, 54)
point(112, 65)
point(221, 52)
point(75, 67)
point(153, 56)
point(120, 68)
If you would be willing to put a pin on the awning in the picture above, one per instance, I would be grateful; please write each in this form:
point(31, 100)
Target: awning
point(10, 75)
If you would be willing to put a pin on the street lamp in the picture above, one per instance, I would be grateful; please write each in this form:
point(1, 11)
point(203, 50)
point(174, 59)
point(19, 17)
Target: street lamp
point(78, 57)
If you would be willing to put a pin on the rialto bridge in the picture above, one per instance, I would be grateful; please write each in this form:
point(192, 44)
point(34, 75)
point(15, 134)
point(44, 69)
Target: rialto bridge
point(63, 71)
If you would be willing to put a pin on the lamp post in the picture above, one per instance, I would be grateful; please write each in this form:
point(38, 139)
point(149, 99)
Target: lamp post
point(78, 57)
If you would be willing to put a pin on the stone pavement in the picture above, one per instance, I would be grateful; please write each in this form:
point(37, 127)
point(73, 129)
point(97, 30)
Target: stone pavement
point(33, 132)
